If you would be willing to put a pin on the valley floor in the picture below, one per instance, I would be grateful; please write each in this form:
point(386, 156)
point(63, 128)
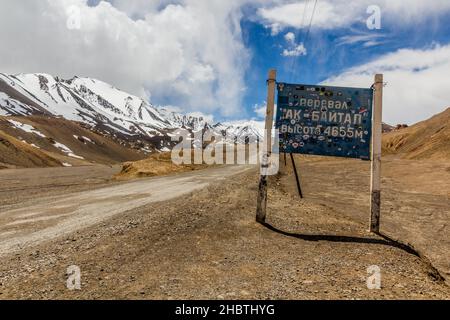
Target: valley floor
point(204, 243)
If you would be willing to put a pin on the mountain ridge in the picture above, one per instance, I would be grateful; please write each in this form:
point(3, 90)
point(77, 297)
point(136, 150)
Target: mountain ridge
point(97, 104)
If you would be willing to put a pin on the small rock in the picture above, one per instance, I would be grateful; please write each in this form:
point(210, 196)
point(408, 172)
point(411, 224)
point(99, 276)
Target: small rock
point(245, 293)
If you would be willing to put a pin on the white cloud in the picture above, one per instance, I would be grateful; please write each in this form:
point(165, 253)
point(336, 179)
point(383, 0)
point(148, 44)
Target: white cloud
point(417, 82)
point(298, 50)
point(290, 37)
point(138, 9)
point(332, 14)
point(260, 110)
point(294, 49)
point(365, 39)
point(299, 14)
point(190, 54)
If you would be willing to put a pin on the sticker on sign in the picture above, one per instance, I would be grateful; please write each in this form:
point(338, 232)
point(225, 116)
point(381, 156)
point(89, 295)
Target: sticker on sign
point(324, 120)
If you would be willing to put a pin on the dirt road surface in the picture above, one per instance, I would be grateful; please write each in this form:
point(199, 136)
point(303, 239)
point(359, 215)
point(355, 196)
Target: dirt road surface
point(194, 236)
point(33, 224)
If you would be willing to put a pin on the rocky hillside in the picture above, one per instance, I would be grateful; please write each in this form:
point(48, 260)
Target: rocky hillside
point(40, 141)
point(428, 139)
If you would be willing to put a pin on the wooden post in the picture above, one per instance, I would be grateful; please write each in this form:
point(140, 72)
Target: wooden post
point(375, 183)
point(267, 152)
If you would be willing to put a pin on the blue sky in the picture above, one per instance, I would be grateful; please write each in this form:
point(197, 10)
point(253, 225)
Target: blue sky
point(327, 55)
point(211, 57)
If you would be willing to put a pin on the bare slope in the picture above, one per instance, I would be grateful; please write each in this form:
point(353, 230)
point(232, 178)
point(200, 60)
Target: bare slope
point(428, 139)
point(64, 141)
point(15, 153)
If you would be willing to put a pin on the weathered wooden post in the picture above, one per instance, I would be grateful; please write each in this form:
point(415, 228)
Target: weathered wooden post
point(267, 151)
point(375, 183)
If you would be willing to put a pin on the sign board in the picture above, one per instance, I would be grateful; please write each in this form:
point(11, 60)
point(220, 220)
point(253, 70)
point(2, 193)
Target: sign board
point(324, 120)
point(328, 121)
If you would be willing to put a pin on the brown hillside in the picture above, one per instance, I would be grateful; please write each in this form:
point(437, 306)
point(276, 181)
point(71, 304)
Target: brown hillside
point(429, 139)
point(15, 153)
point(87, 146)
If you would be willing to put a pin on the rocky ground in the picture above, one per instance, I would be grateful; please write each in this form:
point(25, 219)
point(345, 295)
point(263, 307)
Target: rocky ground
point(415, 199)
point(207, 245)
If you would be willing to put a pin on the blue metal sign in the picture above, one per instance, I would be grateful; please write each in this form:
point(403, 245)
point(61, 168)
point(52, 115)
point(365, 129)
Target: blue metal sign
point(323, 120)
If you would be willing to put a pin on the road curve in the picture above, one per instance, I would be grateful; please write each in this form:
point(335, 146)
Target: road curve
point(29, 226)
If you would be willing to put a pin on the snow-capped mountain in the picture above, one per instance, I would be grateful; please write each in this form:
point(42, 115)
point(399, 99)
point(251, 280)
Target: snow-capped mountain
point(100, 106)
point(179, 120)
point(80, 99)
point(249, 128)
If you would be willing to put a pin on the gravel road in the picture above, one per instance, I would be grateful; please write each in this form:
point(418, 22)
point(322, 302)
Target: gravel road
point(202, 242)
point(31, 225)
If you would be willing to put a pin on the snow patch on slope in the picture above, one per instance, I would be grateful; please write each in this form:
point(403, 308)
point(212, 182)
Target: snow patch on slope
point(26, 128)
point(67, 150)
